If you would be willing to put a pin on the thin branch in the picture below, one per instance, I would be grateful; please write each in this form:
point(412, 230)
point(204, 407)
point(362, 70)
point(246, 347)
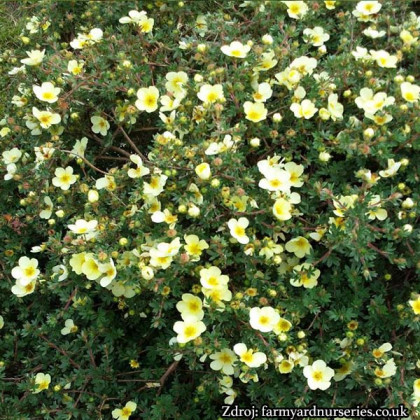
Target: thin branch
point(52, 345)
point(85, 160)
point(133, 145)
point(326, 255)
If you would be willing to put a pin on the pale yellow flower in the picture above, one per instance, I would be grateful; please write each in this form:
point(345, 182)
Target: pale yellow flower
point(46, 118)
point(237, 229)
point(147, 99)
point(236, 49)
point(319, 375)
point(296, 9)
point(188, 330)
point(64, 178)
point(210, 94)
point(46, 92)
point(415, 305)
point(42, 382)
point(410, 92)
point(255, 112)
point(282, 209)
point(248, 356)
point(190, 307)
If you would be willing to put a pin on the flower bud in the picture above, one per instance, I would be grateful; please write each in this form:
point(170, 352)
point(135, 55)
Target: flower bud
point(215, 183)
point(194, 211)
point(277, 117)
point(408, 228)
point(255, 142)
point(93, 196)
point(198, 78)
point(408, 203)
point(301, 334)
point(267, 39)
point(147, 273)
point(203, 171)
point(324, 157)
point(368, 133)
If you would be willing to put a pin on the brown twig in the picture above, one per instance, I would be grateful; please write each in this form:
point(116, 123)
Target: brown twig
point(52, 345)
point(73, 294)
point(165, 376)
point(383, 253)
point(85, 160)
point(325, 256)
point(132, 144)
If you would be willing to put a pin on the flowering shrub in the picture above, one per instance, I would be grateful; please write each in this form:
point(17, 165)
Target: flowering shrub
point(207, 204)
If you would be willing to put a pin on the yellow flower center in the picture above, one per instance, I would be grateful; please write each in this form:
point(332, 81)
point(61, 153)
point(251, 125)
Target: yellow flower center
point(409, 96)
point(235, 53)
point(225, 358)
point(213, 281)
point(194, 249)
point(247, 357)
point(264, 320)
point(193, 307)
point(154, 183)
point(284, 325)
point(254, 115)
point(126, 412)
point(281, 208)
point(275, 183)
point(162, 260)
point(29, 271)
point(301, 243)
point(45, 119)
point(317, 375)
point(239, 231)
point(65, 178)
point(416, 306)
point(295, 9)
point(190, 331)
point(380, 120)
point(304, 278)
point(212, 96)
point(216, 295)
point(29, 288)
point(286, 365)
point(43, 385)
point(150, 100)
point(377, 353)
point(48, 95)
point(171, 219)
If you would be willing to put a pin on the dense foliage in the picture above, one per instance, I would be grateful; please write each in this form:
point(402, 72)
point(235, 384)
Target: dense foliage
point(208, 203)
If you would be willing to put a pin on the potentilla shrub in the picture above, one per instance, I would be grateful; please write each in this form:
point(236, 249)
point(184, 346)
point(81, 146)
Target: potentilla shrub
point(209, 203)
